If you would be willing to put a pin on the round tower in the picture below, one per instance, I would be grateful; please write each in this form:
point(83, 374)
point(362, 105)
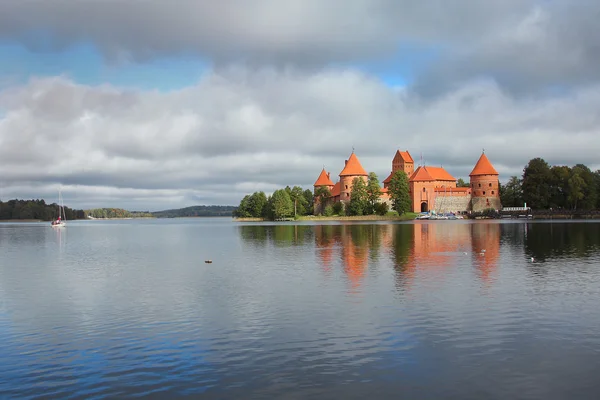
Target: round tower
point(352, 169)
point(485, 185)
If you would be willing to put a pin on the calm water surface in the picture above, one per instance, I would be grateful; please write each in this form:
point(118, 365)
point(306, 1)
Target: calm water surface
point(439, 309)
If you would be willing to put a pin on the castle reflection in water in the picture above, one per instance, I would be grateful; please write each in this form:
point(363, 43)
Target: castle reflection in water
point(429, 248)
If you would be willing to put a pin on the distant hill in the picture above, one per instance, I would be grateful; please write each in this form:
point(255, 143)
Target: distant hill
point(197, 211)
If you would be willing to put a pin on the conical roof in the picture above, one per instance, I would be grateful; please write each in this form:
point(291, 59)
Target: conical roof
point(353, 167)
point(483, 167)
point(323, 179)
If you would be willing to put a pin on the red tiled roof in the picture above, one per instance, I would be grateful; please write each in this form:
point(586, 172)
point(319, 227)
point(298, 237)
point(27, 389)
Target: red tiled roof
point(323, 179)
point(431, 174)
point(404, 155)
point(389, 178)
point(353, 167)
point(421, 175)
point(483, 167)
point(337, 189)
point(440, 174)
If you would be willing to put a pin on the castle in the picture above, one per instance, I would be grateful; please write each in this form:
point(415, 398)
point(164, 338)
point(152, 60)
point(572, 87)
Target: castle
point(430, 188)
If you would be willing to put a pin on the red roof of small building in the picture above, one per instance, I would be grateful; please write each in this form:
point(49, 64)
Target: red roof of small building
point(483, 167)
point(404, 155)
point(353, 167)
point(323, 179)
point(423, 174)
point(389, 178)
point(337, 189)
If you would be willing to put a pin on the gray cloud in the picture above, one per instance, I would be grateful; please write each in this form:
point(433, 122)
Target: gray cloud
point(527, 46)
point(239, 131)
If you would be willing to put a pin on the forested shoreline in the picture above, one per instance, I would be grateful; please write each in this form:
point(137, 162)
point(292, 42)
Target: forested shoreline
point(545, 187)
point(35, 210)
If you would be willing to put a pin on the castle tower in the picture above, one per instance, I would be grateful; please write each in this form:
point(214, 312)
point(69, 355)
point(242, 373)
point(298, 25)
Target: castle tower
point(485, 186)
point(323, 180)
point(402, 161)
point(352, 169)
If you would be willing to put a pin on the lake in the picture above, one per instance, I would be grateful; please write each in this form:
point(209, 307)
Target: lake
point(420, 310)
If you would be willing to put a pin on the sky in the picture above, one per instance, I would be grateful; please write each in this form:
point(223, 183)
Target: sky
point(152, 105)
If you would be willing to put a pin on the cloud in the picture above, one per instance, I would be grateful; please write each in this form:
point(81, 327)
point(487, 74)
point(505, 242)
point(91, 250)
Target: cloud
point(526, 46)
point(240, 130)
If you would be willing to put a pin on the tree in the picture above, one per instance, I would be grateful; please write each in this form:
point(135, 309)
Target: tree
point(576, 188)
point(597, 184)
point(373, 192)
point(590, 191)
point(559, 185)
point(359, 197)
point(298, 200)
point(321, 195)
point(461, 183)
point(398, 190)
point(243, 210)
point(282, 206)
point(536, 183)
point(257, 204)
point(309, 200)
point(511, 194)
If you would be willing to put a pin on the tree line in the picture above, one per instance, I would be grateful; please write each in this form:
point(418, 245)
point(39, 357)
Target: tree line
point(36, 210)
point(283, 203)
point(293, 202)
point(116, 213)
point(544, 187)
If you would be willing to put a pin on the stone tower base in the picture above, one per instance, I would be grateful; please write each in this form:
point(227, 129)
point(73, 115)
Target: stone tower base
point(483, 203)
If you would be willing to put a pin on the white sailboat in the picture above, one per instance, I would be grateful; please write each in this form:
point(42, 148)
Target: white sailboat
point(61, 221)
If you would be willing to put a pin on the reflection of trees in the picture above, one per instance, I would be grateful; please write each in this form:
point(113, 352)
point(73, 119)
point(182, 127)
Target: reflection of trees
point(403, 236)
point(546, 240)
point(255, 234)
point(279, 235)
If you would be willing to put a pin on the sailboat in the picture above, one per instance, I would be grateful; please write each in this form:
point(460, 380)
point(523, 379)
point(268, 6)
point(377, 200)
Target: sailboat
point(61, 221)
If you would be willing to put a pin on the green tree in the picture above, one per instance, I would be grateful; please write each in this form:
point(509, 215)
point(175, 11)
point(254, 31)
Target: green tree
point(461, 183)
point(398, 190)
point(359, 197)
point(511, 194)
point(322, 194)
point(597, 184)
point(559, 186)
point(257, 204)
point(282, 204)
point(243, 210)
point(590, 191)
point(339, 208)
point(577, 187)
point(373, 192)
point(298, 200)
point(536, 184)
point(309, 201)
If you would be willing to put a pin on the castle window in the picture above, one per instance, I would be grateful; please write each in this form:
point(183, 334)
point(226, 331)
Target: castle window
point(347, 194)
point(490, 185)
point(423, 189)
point(346, 187)
point(492, 192)
point(484, 192)
point(480, 185)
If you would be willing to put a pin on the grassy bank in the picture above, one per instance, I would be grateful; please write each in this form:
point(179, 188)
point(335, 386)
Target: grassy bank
point(388, 217)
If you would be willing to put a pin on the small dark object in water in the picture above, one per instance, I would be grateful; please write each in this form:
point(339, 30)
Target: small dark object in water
point(208, 261)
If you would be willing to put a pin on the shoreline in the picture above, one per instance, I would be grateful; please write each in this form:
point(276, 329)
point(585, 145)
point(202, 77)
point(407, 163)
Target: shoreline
point(406, 217)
